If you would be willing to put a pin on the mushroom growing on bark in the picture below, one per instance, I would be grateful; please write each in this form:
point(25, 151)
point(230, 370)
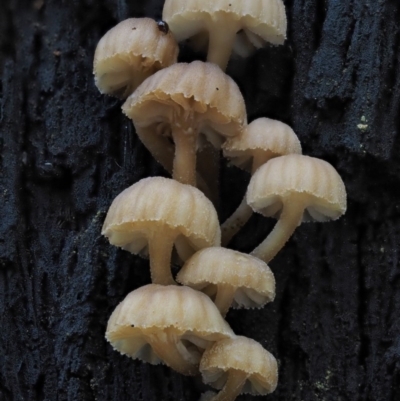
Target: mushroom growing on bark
point(239, 365)
point(129, 53)
point(229, 277)
point(185, 102)
point(261, 140)
point(168, 324)
point(257, 23)
point(294, 188)
point(157, 213)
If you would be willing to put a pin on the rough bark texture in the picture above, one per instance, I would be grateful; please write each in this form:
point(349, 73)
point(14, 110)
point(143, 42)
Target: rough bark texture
point(66, 152)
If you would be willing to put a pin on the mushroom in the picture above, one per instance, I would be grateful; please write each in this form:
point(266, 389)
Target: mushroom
point(168, 324)
point(181, 102)
point(229, 277)
point(260, 141)
point(130, 52)
point(156, 213)
point(239, 365)
point(257, 22)
point(296, 188)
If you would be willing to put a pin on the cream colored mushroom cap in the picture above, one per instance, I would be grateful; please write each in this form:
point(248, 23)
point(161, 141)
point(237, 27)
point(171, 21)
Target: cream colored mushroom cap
point(266, 19)
point(253, 279)
point(263, 134)
point(155, 203)
point(197, 86)
point(187, 314)
point(132, 46)
point(283, 178)
point(245, 355)
point(197, 89)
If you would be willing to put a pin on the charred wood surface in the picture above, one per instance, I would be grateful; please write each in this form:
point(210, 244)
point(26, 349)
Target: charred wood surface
point(66, 152)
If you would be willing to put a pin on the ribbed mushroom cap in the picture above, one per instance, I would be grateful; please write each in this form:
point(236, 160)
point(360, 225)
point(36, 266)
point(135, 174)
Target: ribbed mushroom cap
point(199, 92)
point(263, 138)
point(177, 321)
point(158, 203)
point(284, 178)
point(130, 52)
point(243, 355)
point(252, 280)
point(257, 21)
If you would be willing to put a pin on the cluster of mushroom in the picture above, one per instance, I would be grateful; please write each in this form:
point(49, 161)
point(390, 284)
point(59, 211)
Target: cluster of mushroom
point(184, 114)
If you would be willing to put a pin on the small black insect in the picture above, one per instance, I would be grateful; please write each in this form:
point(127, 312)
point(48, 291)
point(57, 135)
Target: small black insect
point(163, 26)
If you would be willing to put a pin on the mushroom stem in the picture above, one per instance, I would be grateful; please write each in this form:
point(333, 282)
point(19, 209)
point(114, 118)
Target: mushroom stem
point(233, 386)
point(221, 40)
point(160, 250)
point(235, 222)
point(243, 213)
point(224, 298)
point(166, 346)
point(290, 218)
point(184, 169)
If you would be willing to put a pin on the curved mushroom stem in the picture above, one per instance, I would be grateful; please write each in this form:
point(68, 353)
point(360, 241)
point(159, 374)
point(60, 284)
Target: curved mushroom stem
point(224, 298)
point(233, 386)
point(184, 169)
point(243, 213)
point(235, 222)
point(290, 219)
point(166, 346)
point(221, 39)
point(160, 251)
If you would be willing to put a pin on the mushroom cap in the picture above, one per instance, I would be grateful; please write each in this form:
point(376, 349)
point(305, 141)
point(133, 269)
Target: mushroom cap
point(271, 137)
point(198, 94)
point(133, 46)
point(252, 278)
point(245, 355)
point(158, 203)
point(258, 21)
point(284, 178)
point(190, 315)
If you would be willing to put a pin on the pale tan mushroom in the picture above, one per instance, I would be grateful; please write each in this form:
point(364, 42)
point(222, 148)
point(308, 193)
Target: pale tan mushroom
point(157, 213)
point(239, 366)
point(294, 188)
point(168, 324)
point(186, 103)
point(130, 52)
point(229, 278)
point(257, 22)
point(260, 141)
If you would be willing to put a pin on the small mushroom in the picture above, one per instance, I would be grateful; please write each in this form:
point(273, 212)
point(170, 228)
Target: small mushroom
point(157, 213)
point(257, 23)
point(168, 324)
point(129, 53)
point(260, 141)
point(295, 188)
point(239, 366)
point(229, 277)
point(186, 103)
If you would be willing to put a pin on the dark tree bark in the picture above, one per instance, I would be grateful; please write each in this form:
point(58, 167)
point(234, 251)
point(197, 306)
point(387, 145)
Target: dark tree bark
point(66, 152)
